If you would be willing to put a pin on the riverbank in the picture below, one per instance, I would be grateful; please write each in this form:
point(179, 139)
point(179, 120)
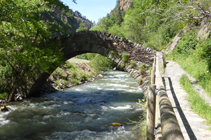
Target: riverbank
point(81, 112)
point(74, 72)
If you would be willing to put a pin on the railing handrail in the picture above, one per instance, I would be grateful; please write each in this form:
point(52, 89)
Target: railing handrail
point(164, 111)
point(169, 124)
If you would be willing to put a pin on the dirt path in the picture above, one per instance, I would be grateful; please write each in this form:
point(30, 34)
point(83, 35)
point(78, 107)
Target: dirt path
point(191, 124)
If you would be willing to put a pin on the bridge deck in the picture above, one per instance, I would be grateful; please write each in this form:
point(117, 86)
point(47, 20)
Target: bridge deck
point(192, 125)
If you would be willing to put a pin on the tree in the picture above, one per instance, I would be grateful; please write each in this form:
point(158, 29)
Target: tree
point(81, 28)
point(199, 9)
point(22, 31)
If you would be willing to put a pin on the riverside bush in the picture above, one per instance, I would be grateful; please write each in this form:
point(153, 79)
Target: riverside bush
point(3, 95)
point(101, 63)
point(125, 58)
point(142, 69)
point(133, 64)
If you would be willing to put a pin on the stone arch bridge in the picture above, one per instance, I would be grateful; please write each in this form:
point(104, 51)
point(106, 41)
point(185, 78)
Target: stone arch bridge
point(97, 42)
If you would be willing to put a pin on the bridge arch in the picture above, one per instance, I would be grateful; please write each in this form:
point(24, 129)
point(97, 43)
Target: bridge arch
point(96, 42)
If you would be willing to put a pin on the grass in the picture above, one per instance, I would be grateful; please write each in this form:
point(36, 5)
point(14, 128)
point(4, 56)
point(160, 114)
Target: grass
point(142, 69)
point(197, 103)
point(125, 58)
point(196, 68)
point(140, 81)
point(133, 64)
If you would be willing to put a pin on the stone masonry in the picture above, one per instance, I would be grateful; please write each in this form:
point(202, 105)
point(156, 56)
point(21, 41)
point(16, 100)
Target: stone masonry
point(102, 43)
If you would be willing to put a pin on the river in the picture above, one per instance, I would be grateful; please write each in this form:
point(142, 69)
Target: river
point(84, 112)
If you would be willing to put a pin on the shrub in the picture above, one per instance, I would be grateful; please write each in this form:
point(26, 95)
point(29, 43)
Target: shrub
point(101, 63)
point(3, 95)
point(112, 53)
point(133, 64)
point(74, 81)
point(122, 66)
point(187, 44)
point(125, 57)
point(58, 83)
point(142, 69)
point(140, 81)
point(70, 66)
point(57, 72)
point(203, 51)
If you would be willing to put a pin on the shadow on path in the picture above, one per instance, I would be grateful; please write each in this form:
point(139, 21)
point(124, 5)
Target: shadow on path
point(182, 115)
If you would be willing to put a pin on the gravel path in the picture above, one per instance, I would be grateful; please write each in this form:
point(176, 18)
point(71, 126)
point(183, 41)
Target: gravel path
point(191, 124)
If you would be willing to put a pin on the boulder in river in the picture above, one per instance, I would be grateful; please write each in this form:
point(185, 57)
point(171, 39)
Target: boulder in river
point(100, 75)
point(4, 109)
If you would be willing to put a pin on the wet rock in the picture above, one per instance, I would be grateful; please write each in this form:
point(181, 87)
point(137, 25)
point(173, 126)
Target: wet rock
point(100, 75)
point(18, 97)
point(115, 124)
point(4, 109)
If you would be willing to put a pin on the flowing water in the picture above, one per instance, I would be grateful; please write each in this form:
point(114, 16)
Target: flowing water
point(84, 112)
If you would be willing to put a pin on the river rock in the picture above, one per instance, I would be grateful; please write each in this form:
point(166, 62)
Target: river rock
point(115, 124)
point(4, 109)
point(18, 97)
point(100, 75)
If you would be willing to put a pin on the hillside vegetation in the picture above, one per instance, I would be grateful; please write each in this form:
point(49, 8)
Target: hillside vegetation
point(153, 23)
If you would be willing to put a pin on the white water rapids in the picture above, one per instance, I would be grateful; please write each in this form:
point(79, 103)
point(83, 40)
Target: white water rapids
point(84, 112)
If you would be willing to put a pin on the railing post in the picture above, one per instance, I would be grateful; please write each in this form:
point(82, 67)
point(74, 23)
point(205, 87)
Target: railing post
point(151, 112)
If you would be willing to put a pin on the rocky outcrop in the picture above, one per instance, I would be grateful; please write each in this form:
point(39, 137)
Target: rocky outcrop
point(205, 29)
point(124, 4)
point(121, 5)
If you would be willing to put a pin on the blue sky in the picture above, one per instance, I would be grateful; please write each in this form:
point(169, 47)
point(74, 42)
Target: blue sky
point(92, 9)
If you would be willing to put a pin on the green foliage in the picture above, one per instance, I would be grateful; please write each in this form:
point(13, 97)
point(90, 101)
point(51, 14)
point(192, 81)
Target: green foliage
point(74, 81)
point(81, 28)
point(24, 45)
point(125, 58)
point(122, 66)
point(142, 69)
point(70, 66)
point(187, 44)
point(101, 63)
point(112, 53)
point(203, 51)
point(140, 81)
point(82, 56)
point(3, 95)
point(197, 103)
point(152, 23)
point(195, 66)
point(133, 64)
